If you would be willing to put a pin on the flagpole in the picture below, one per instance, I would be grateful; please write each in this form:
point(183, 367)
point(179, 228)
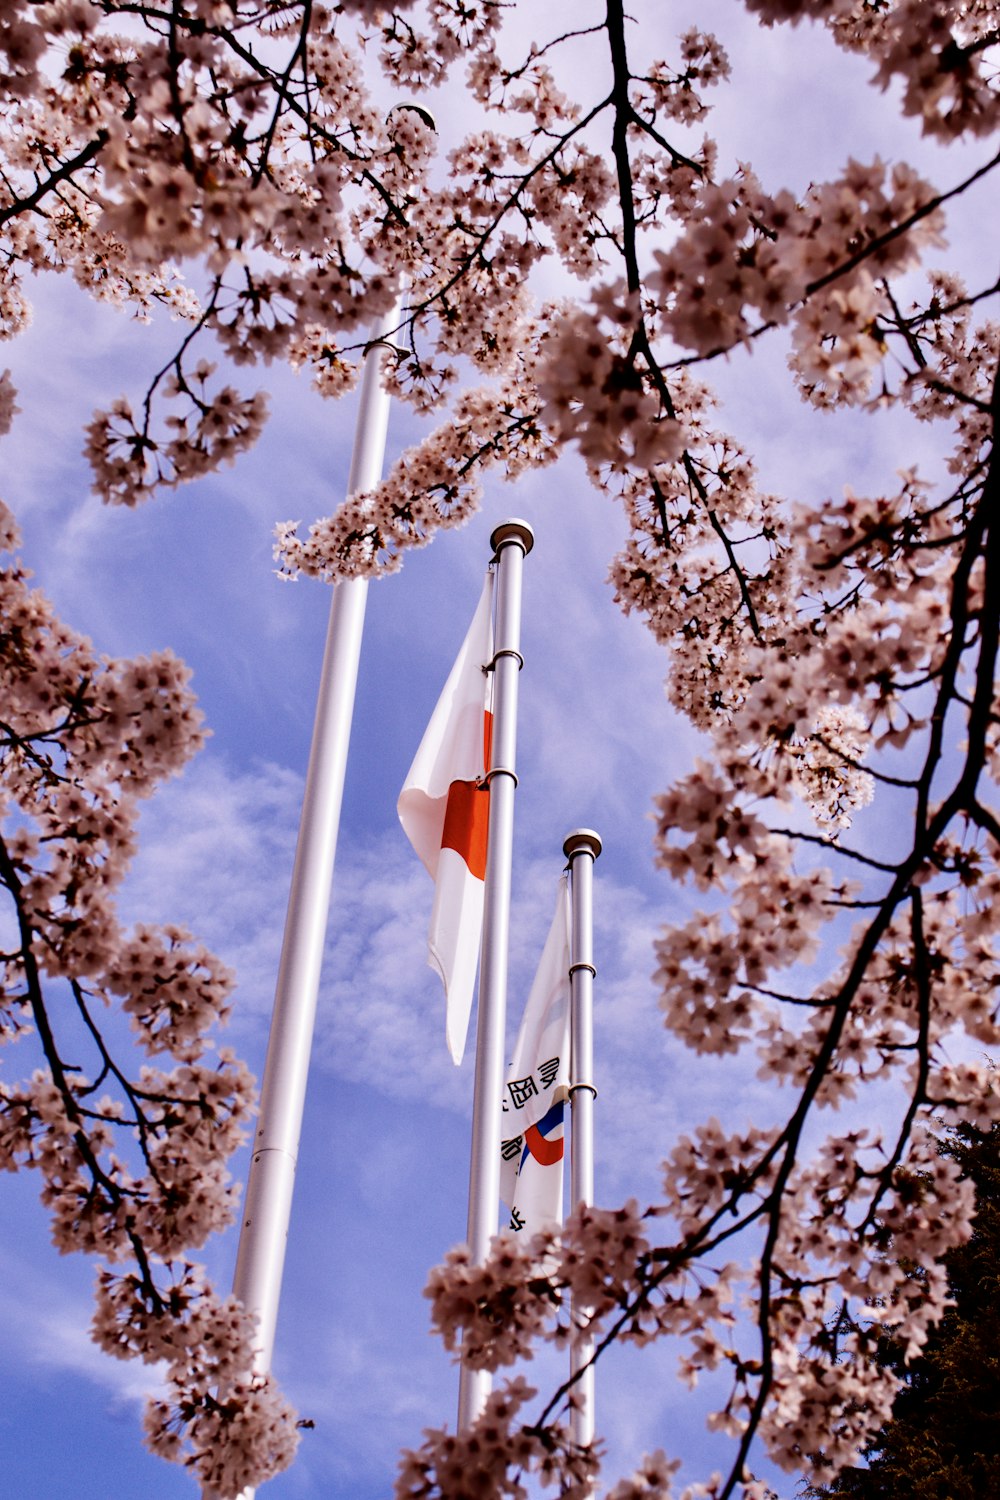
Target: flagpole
point(511, 543)
point(582, 848)
point(267, 1207)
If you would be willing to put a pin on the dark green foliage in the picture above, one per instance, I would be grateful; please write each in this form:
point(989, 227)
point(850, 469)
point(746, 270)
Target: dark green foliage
point(942, 1441)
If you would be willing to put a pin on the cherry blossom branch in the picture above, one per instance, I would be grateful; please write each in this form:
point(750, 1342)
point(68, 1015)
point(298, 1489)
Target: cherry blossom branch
point(197, 27)
point(50, 1050)
point(918, 1094)
point(889, 236)
point(801, 836)
point(62, 173)
point(281, 91)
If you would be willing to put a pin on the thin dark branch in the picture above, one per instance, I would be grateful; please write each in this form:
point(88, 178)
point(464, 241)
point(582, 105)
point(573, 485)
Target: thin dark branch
point(61, 174)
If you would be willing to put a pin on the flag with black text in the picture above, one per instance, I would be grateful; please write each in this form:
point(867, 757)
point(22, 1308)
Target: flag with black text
point(537, 1088)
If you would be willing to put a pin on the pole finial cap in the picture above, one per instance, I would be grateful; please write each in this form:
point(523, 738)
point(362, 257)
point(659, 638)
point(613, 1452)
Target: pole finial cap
point(582, 841)
point(418, 109)
point(513, 531)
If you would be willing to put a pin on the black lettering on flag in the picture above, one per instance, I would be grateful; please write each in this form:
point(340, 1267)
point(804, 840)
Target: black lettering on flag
point(510, 1149)
point(521, 1090)
point(547, 1072)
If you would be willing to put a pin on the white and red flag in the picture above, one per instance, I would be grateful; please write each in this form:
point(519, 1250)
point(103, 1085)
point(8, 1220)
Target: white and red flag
point(444, 808)
point(537, 1088)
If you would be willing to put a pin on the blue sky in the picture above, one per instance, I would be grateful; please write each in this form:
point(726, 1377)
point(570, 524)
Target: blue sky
point(383, 1170)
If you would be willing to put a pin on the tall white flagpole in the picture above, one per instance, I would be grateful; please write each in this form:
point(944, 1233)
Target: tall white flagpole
point(267, 1207)
point(511, 543)
point(581, 849)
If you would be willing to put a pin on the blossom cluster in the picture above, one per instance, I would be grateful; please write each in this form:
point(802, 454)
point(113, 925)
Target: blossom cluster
point(495, 1455)
point(496, 1310)
point(746, 248)
point(943, 54)
point(432, 486)
point(225, 1422)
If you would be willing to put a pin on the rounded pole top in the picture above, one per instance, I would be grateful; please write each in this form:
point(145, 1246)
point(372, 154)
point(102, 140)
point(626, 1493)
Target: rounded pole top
point(582, 841)
point(513, 531)
point(418, 109)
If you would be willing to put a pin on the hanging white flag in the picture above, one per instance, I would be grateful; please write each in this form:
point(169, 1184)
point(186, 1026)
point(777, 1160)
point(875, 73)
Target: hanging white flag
point(537, 1088)
point(444, 809)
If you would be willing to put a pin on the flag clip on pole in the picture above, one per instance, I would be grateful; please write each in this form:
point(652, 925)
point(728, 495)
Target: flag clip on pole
point(267, 1207)
point(511, 542)
point(582, 848)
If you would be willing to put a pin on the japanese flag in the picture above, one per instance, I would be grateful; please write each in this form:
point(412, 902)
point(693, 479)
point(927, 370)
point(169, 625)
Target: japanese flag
point(537, 1088)
point(444, 809)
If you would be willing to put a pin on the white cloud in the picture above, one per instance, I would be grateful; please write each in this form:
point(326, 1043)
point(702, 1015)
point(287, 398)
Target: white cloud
point(45, 1314)
point(215, 854)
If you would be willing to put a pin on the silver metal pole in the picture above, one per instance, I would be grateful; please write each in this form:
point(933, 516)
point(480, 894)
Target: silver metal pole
point(581, 849)
point(267, 1207)
point(511, 542)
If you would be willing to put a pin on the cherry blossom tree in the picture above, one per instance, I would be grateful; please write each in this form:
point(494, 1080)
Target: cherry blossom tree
point(828, 653)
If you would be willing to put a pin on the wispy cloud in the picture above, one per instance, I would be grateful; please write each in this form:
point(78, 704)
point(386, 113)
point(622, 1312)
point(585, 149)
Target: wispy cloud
point(46, 1317)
